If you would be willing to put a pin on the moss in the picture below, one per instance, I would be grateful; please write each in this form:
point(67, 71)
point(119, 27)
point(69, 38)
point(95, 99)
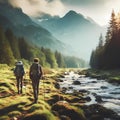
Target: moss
point(64, 108)
point(14, 114)
point(21, 106)
point(40, 115)
point(4, 118)
point(36, 107)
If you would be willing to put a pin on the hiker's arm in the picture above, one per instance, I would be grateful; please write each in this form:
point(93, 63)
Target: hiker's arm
point(41, 71)
point(14, 71)
point(30, 71)
point(23, 70)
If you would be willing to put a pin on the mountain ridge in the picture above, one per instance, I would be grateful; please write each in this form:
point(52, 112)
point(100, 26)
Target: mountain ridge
point(75, 29)
point(23, 26)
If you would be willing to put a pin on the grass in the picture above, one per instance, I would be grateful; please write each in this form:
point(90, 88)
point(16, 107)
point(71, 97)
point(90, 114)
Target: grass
point(14, 106)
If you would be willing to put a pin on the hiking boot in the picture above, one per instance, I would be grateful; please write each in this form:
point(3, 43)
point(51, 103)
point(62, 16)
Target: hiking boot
point(35, 101)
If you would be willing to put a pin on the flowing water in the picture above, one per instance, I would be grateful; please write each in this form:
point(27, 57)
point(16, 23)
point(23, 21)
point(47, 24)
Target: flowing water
point(107, 92)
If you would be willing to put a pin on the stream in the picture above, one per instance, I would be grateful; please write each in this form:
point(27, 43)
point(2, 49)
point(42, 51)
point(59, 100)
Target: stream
point(107, 92)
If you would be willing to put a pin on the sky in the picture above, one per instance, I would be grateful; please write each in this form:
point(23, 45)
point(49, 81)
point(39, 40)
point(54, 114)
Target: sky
point(98, 10)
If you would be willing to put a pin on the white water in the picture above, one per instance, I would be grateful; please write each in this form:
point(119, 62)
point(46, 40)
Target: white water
point(109, 93)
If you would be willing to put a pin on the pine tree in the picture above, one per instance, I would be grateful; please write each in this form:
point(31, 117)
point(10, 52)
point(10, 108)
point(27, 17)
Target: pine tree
point(13, 41)
point(59, 59)
point(6, 55)
point(112, 29)
point(50, 58)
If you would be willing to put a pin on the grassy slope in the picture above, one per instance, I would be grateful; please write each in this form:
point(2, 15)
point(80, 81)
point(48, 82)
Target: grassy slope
point(14, 106)
point(112, 76)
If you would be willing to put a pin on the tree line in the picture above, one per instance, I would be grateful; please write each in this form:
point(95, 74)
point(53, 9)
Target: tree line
point(107, 53)
point(14, 48)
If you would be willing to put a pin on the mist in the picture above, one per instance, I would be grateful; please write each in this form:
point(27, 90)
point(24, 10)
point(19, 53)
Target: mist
point(38, 7)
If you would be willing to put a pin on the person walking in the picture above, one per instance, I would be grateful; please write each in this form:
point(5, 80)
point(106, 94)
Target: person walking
point(35, 74)
point(19, 73)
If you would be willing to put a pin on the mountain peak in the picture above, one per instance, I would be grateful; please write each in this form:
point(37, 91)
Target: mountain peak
point(74, 17)
point(71, 13)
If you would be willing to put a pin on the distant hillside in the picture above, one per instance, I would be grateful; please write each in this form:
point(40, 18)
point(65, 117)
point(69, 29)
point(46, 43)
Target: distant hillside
point(22, 25)
point(74, 29)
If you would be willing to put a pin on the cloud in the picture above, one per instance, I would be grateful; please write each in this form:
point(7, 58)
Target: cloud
point(84, 2)
point(36, 7)
point(99, 10)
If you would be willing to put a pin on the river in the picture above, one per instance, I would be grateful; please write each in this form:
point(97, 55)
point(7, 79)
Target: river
point(107, 92)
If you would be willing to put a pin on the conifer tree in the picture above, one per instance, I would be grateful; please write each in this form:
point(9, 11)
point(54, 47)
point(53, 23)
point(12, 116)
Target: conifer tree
point(50, 58)
point(6, 55)
point(59, 59)
point(13, 41)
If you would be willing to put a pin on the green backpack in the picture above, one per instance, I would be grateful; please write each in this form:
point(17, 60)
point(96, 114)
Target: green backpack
point(35, 70)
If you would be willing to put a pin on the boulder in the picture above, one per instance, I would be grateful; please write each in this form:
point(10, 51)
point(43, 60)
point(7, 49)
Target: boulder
point(98, 112)
point(76, 82)
point(65, 109)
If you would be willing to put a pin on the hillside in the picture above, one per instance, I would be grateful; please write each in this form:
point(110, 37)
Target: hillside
point(53, 103)
point(23, 26)
point(80, 32)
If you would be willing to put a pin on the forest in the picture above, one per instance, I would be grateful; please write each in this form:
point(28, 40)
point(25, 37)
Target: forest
point(14, 48)
point(106, 55)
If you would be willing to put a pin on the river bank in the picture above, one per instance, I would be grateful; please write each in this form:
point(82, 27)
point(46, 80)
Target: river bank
point(92, 93)
point(53, 104)
point(112, 76)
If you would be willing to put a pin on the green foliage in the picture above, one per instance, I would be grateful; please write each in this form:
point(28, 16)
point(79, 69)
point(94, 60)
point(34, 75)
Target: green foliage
point(106, 56)
point(60, 60)
point(73, 62)
point(41, 115)
point(6, 54)
point(50, 57)
point(25, 49)
point(13, 43)
point(13, 48)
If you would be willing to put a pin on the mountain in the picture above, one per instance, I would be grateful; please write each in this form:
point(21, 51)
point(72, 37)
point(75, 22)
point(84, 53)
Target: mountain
point(74, 29)
point(23, 26)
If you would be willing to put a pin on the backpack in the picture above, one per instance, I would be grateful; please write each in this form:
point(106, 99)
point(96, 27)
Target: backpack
point(35, 70)
point(19, 70)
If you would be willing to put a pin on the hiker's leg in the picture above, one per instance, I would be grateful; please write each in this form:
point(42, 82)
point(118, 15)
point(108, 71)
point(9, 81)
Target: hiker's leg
point(34, 88)
point(37, 87)
point(21, 84)
point(17, 78)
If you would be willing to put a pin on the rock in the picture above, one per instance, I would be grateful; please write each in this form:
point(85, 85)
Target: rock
point(55, 98)
point(83, 91)
point(66, 73)
point(61, 76)
point(59, 80)
point(98, 112)
point(36, 117)
point(93, 81)
point(75, 100)
point(98, 98)
point(57, 85)
point(64, 108)
point(104, 87)
point(87, 98)
point(70, 87)
point(76, 82)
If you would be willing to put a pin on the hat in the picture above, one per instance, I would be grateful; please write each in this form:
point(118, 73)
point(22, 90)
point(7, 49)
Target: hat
point(19, 63)
point(36, 59)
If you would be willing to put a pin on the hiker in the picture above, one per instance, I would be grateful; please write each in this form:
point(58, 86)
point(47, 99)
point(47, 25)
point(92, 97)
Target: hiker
point(35, 75)
point(19, 73)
